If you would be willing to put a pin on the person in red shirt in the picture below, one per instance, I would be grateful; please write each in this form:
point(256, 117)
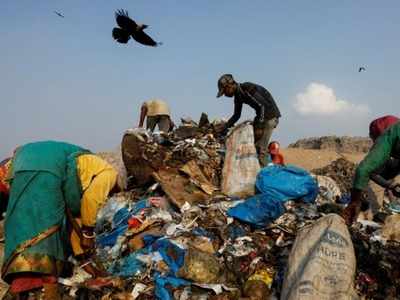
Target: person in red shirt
point(276, 157)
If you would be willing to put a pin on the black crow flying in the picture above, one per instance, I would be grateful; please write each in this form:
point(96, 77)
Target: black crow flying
point(128, 28)
point(58, 14)
point(361, 69)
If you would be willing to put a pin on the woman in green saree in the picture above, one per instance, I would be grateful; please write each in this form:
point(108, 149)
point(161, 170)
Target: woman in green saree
point(47, 180)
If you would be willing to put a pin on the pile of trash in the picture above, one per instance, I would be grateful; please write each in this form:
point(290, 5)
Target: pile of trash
point(377, 248)
point(202, 220)
point(341, 171)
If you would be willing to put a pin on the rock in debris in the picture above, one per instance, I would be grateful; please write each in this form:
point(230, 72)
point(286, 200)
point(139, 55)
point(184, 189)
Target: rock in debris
point(201, 267)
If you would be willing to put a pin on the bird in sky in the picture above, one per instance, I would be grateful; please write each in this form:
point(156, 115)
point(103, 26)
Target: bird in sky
point(59, 14)
point(361, 69)
point(129, 28)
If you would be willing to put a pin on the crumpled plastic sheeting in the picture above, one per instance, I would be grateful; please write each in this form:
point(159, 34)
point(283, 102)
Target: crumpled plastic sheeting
point(172, 255)
point(161, 291)
point(287, 182)
point(276, 184)
point(258, 210)
point(120, 223)
point(128, 266)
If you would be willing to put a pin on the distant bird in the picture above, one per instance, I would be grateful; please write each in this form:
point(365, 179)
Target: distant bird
point(128, 27)
point(58, 14)
point(361, 69)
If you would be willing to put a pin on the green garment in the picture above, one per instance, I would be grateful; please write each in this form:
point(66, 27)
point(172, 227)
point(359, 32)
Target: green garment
point(377, 156)
point(44, 178)
point(57, 158)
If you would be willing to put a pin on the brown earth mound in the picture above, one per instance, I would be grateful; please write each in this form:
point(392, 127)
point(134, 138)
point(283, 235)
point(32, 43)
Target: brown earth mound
point(334, 143)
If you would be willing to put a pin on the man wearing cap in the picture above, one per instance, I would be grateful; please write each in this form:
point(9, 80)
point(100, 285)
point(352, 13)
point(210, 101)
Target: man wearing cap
point(157, 113)
point(256, 96)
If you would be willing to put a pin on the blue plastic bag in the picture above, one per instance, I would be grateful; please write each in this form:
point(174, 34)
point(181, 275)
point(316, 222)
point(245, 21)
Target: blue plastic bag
point(285, 183)
point(276, 185)
point(258, 210)
point(161, 291)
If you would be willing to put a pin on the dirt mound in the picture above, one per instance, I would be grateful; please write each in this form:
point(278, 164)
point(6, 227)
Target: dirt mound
point(340, 144)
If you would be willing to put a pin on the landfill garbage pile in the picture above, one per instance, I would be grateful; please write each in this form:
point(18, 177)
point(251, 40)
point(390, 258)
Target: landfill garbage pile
point(378, 258)
point(183, 230)
point(341, 171)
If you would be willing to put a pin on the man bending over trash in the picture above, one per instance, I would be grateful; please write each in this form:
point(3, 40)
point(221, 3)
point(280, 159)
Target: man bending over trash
point(256, 96)
point(387, 145)
point(157, 113)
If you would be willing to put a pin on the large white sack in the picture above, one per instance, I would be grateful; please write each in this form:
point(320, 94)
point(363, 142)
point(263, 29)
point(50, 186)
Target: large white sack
point(322, 263)
point(241, 164)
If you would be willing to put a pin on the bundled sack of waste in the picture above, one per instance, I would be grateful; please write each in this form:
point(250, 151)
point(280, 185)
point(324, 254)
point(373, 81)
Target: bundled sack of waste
point(241, 162)
point(276, 185)
point(322, 262)
point(329, 191)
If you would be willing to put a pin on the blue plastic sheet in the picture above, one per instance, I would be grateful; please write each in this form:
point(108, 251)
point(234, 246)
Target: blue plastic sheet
point(234, 231)
point(128, 266)
point(172, 255)
point(275, 185)
point(258, 210)
point(161, 291)
point(120, 224)
point(345, 199)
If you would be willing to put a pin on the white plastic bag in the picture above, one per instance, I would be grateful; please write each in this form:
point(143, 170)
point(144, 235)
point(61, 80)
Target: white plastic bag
point(241, 164)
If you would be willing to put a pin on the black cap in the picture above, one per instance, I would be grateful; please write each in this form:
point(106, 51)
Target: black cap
point(222, 82)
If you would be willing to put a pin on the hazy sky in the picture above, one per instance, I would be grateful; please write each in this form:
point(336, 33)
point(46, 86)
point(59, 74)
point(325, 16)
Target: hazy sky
point(66, 79)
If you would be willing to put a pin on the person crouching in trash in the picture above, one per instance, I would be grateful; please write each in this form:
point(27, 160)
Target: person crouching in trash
point(386, 146)
point(54, 187)
point(275, 156)
point(385, 174)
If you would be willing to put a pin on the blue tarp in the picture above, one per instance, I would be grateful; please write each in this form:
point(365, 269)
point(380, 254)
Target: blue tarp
point(120, 224)
point(275, 185)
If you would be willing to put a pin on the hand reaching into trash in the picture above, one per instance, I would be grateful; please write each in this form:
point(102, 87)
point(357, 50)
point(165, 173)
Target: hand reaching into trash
point(351, 212)
point(94, 271)
point(395, 189)
point(88, 240)
point(221, 128)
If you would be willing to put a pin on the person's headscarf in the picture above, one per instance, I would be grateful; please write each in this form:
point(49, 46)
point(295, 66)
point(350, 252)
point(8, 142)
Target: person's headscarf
point(379, 126)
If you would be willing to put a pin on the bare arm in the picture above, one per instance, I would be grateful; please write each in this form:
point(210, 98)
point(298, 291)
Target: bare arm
point(236, 114)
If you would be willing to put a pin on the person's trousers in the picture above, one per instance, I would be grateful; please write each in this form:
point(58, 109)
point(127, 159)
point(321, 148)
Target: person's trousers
point(262, 136)
point(163, 121)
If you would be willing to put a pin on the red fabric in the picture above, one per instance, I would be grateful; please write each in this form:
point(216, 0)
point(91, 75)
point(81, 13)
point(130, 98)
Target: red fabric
point(4, 186)
point(378, 126)
point(278, 159)
point(134, 223)
point(29, 282)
